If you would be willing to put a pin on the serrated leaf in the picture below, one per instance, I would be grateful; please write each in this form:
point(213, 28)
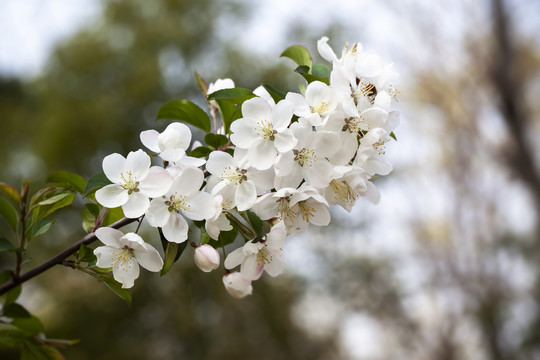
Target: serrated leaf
point(96, 182)
point(299, 54)
point(116, 287)
point(40, 228)
point(9, 212)
point(16, 311)
point(203, 85)
point(186, 111)
point(200, 152)
point(30, 324)
point(321, 70)
point(5, 245)
point(76, 181)
point(216, 141)
point(173, 251)
point(234, 95)
point(276, 94)
point(10, 192)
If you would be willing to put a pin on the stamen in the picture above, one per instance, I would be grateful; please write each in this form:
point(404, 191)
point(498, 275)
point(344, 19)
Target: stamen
point(265, 130)
point(284, 211)
point(130, 184)
point(342, 191)
point(306, 211)
point(305, 157)
point(264, 257)
point(177, 203)
point(233, 176)
point(124, 257)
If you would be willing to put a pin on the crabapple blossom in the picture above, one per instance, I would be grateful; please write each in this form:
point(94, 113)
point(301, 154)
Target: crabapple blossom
point(255, 257)
point(171, 144)
point(124, 253)
point(236, 285)
point(206, 258)
point(318, 103)
point(134, 182)
point(263, 131)
point(182, 199)
point(370, 151)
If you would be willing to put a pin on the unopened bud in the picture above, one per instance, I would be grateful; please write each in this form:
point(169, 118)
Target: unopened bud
point(236, 285)
point(206, 258)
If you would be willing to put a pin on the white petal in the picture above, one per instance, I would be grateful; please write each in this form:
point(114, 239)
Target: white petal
point(201, 206)
point(149, 138)
point(127, 274)
point(234, 259)
point(218, 161)
point(113, 165)
point(285, 141)
point(301, 107)
point(188, 182)
point(262, 154)
point(157, 182)
point(282, 114)
point(138, 163)
point(112, 196)
point(176, 229)
point(251, 269)
point(275, 266)
point(172, 155)
point(244, 132)
point(110, 237)
point(158, 213)
point(245, 195)
point(266, 207)
point(325, 50)
point(136, 206)
point(149, 259)
point(104, 255)
point(256, 108)
point(321, 215)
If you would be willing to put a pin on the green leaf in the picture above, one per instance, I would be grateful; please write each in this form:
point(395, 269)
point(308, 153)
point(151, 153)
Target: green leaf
point(276, 94)
point(234, 95)
point(86, 255)
point(216, 141)
point(116, 287)
point(76, 181)
point(256, 222)
point(54, 199)
point(321, 70)
point(172, 252)
point(202, 84)
point(16, 311)
point(5, 245)
point(229, 113)
point(11, 336)
point(10, 192)
point(40, 228)
point(96, 182)
point(9, 212)
point(304, 71)
point(186, 111)
point(112, 216)
point(298, 54)
point(228, 237)
point(30, 324)
point(60, 202)
point(200, 152)
point(37, 351)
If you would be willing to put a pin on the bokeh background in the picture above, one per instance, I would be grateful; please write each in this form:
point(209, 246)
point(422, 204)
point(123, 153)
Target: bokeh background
point(447, 266)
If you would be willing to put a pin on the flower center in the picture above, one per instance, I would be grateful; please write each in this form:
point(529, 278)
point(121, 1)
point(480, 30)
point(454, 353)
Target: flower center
point(306, 211)
point(379, 146)
point(265, 130)
point(177, 203)
point(123, 257)
point(305, 157)
point(226, 205)
point(129, 182)
point(233, 176)
point(263, 257)
point(342, 191)
point(321, 108)
point(284, 211)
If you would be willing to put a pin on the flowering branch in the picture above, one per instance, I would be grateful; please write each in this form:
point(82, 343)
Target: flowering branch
point(59, 258)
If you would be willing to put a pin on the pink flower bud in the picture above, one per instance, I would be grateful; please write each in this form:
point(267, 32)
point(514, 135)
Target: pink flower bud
point(236, 285)
point(206, 258)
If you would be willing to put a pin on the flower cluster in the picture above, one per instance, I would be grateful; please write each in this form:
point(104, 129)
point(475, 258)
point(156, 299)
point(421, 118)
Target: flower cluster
point(280, 166)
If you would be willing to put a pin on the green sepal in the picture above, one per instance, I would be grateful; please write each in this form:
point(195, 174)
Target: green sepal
point(77, 182)
point(276, 94)
point(299, 54)
point(185, 111)
point(215, 141)
point(9, 212)
point(96, 182)
point(393, 136)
